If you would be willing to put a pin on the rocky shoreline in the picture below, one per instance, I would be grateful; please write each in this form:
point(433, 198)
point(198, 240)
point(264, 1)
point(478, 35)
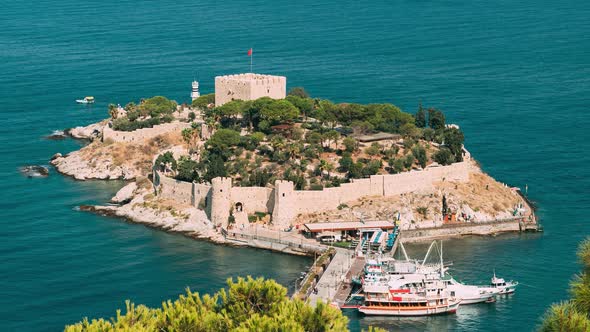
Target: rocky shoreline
point(133, 207)
point(137, 203)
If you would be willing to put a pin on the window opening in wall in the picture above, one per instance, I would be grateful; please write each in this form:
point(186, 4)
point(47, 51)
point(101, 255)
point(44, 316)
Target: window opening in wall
point(239, 207)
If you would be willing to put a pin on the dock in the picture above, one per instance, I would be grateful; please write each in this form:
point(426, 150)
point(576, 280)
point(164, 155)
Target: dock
point(335, 284)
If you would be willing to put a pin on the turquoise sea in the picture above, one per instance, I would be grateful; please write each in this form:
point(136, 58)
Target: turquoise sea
point(515, 75)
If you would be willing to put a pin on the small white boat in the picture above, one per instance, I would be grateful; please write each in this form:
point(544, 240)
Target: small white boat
point(470, 294)
point(505, 287)
point(86, 100)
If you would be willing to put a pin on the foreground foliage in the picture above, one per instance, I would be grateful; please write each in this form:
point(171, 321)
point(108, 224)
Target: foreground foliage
point(573, 315)
point(247, 305)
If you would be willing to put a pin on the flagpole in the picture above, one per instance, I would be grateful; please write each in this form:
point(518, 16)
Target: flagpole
point(251, 56)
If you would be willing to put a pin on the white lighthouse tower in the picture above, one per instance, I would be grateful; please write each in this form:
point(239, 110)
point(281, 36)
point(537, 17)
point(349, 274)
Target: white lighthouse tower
point(195, 92)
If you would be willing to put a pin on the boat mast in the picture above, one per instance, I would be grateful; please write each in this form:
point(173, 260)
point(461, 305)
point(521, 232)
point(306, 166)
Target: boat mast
point(428, 253)
point(442, 271)
point(403, 249)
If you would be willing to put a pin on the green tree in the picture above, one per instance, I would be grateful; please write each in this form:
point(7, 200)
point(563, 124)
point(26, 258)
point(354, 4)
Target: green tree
point(350, 144)
point(420, 117)
point(305, 105)
point(436, 119)
point(420, 153)
point(298, 92)
point(215, 167)
point(573, 315)
point(166, 158)
point(453, 138)
point(113, 111)
point(444, 156)
point(157, 106)
point(247, 305)
point(409, 160)
point(204, 101)
point(222, 140)
point(187, 170)
point(230, 109)
point(374, 149)
point(279, 111)
point(356, 170)
point(345, 162)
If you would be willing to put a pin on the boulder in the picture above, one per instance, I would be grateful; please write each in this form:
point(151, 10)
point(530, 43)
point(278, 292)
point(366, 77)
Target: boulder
point(125, 194)
point(56, 135)
point(56, 156)
point(33, 171)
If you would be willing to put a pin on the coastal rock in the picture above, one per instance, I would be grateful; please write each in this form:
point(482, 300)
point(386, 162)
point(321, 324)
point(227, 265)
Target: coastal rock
point(33, 171)
point(56, 135)
point(189, 220)
point(57, 155)
point(76, 166)
point(89, 132)
point(125, 194)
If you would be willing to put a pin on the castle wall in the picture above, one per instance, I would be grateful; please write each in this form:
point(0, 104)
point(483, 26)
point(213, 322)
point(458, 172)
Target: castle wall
point(285, 203)
point(253, 199)
point(179, 191)
point(249, 87)
point(142, 134)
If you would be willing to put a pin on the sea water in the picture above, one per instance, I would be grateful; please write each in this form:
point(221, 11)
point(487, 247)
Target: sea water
point(513, 74)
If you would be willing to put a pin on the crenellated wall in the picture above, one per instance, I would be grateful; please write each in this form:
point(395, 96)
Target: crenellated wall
point(142, 134)
point(285, 203)
point(249, 86)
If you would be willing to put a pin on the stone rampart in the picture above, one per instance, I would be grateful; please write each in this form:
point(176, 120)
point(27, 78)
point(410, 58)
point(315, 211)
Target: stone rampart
point(179, 191)
point(252, 199)
point(142, 134)
point(285, 203)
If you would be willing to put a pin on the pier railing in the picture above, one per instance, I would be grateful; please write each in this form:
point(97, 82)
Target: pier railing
point(275, 237)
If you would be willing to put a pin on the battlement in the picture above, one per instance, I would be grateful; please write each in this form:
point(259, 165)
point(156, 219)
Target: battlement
point(249, 86)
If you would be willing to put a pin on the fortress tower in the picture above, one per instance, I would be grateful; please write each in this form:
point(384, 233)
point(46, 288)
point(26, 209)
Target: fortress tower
point(195, 92)
point(284, 210)
point(220, 200)
point(249, 87)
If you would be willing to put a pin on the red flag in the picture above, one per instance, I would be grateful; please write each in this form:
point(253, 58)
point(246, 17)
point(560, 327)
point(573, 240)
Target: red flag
point(250, 52)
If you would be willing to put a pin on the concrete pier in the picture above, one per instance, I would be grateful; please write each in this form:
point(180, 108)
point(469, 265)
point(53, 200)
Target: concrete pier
point(334, 275)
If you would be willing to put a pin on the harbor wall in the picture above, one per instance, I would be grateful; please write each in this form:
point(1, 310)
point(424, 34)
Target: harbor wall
point(142, 134)
point(457, 230)
point(285, 203)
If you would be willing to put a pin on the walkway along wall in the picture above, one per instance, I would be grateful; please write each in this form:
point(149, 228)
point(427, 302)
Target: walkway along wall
point(285, 203)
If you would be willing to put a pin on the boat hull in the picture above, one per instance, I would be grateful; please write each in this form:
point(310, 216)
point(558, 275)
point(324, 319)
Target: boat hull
point(476, 300)
point(409, 311)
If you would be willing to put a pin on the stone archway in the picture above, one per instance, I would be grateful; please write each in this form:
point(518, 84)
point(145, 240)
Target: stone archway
point(239, 207)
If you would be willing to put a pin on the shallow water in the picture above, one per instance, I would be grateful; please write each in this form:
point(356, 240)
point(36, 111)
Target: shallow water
point(514, 75)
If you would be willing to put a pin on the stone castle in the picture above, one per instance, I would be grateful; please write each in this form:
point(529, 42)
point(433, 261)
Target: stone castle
point(249, 87)
point(221, 199)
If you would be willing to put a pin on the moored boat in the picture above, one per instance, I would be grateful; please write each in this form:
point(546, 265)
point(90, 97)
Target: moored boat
point(503, 286)
point(408, 296)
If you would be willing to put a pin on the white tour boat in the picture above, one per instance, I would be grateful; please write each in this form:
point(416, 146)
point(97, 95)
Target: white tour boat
point(86, 100)
point(408, 295)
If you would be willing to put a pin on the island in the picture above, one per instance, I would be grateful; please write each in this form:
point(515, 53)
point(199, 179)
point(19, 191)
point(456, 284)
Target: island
point(251, 164)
